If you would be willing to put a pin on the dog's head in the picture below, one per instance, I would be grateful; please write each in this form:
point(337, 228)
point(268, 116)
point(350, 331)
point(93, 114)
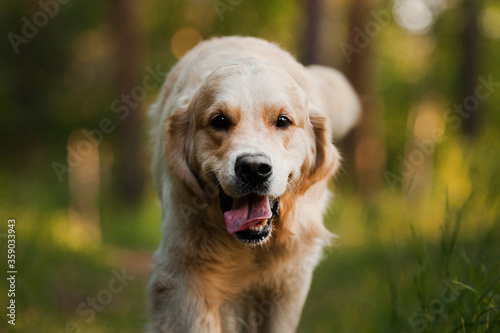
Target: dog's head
point(251, 131)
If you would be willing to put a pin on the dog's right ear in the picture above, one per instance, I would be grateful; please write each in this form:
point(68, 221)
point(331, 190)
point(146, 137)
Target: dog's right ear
point(179, 148)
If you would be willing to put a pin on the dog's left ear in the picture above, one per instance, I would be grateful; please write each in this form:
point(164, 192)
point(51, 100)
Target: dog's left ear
point(326, 158)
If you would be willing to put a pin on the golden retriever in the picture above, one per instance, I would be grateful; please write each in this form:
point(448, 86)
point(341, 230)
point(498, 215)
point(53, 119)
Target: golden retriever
point(242, 156)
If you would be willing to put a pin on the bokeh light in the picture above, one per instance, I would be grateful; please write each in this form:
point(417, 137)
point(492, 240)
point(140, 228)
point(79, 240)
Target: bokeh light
point(489, 22)
point(413, 15)
point(184, 40)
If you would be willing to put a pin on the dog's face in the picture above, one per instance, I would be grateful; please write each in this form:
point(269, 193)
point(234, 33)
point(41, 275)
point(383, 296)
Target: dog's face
point(250, 131)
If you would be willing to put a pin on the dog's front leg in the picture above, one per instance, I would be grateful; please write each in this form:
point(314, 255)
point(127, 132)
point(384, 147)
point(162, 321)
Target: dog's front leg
point(179, 306)
point(286, 300)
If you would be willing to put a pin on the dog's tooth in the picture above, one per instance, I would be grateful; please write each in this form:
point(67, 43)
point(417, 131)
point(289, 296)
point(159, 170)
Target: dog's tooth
point(257, 227)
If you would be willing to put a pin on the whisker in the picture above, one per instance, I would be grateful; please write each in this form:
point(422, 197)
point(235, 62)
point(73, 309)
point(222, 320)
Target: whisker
point(293, 187)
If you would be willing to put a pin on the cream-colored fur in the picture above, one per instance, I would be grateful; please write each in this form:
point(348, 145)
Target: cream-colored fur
point(206, 280)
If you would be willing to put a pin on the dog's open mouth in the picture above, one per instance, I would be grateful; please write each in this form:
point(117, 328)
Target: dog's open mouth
point(249, 217)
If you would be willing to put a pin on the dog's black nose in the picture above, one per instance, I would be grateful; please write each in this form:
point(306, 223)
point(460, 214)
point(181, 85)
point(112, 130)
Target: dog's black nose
point(253, 169)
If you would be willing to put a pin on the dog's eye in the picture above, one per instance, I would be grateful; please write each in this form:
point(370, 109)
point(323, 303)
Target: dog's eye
point(220, 122)
point(283, 122)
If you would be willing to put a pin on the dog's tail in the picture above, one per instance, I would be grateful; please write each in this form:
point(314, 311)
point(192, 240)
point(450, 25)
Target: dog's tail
point(336, 98)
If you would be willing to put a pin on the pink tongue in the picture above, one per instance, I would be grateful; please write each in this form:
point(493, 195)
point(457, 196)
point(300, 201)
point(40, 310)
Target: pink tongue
point(246, 212)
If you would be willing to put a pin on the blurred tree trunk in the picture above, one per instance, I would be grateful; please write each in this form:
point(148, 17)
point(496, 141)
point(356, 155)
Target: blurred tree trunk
point(469, 81)
point(313, 10)
point(130, 176)
point(366, 143)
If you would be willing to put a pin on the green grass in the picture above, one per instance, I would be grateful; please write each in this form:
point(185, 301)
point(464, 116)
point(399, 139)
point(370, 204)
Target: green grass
point(401, 264)
point(409, 285)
